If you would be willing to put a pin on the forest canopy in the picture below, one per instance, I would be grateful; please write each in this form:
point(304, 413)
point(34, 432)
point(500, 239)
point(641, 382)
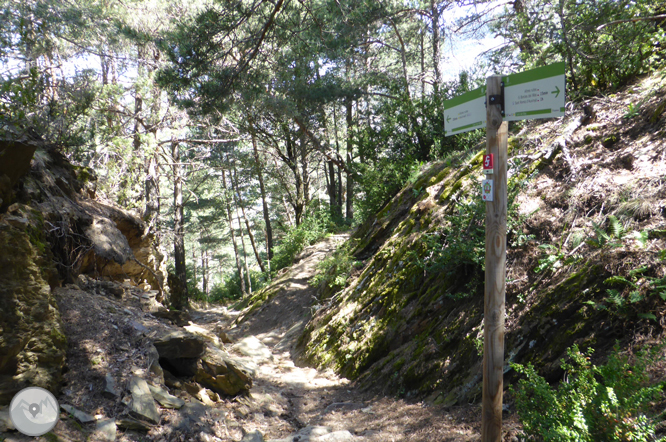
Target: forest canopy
point(243, 130)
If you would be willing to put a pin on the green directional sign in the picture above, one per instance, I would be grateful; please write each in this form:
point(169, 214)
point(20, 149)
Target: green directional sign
point(537, 93)
point(465, 112)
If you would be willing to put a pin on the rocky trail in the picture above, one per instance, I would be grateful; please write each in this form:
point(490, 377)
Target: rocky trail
point(118, 387)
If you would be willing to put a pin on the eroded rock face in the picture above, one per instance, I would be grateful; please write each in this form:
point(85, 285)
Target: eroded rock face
point(32, 342)
point(87, 235)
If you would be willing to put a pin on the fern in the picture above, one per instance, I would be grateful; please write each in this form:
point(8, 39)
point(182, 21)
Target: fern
point(618, 280)
point(615, 298)
point(641, 238)
point(616, 228)
point(635, 296)
point(601, 237)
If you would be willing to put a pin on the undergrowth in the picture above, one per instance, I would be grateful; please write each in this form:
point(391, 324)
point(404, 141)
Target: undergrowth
point(333, 273)
point(607, 403)
point(316, 225)
point(457, 249)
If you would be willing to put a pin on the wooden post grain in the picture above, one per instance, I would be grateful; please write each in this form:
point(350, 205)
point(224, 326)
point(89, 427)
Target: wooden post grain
point(495, 285)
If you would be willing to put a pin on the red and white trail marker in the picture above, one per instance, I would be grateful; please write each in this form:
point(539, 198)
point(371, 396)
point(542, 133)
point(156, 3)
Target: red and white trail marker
point(488, 164)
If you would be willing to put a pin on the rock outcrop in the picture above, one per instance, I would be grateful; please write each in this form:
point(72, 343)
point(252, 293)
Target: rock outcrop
point(15, 157)
point(50, 232)
point(187, 355)
point(89, 236)
point(32, 343)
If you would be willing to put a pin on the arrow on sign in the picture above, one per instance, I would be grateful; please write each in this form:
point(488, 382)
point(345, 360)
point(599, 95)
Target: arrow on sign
point(556, 92)
point(448, 119)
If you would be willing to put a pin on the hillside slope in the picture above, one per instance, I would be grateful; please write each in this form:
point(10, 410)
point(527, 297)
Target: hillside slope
point(584, 263)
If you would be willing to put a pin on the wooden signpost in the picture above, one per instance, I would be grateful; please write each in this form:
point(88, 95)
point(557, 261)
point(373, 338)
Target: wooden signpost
point(538, 93)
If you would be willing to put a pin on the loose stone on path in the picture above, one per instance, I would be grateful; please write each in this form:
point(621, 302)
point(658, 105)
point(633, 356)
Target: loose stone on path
point(319, 434)
point(82, 417)
point(164, 398)
point(143, 405)
point(105, 430)
point(110, 389)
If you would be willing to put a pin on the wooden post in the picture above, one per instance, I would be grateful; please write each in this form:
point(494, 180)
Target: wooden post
point(493, 334)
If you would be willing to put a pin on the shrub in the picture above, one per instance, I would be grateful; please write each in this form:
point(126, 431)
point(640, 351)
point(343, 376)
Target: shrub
point(316, 224)
point(230, 288)
point(593, 403)
point(333, 272)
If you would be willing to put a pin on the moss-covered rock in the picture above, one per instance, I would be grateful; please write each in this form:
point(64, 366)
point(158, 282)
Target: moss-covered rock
point(412, 326)
point(32, 341)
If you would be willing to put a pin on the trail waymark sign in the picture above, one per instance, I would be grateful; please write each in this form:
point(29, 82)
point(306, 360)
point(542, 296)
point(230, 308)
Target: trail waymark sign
point(538, 93)
point(465, 112)
point(488, 165)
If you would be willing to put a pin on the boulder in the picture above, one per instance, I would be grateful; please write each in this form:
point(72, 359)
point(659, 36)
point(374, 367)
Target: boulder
point(179, 317)
point(110, 389)
point(119, 240)
point(129, 424)
point(181, 366)
point(192, 413)
point(222, 374)
point(154, 366)
point(254, 436)
point(79, 415)
point(254, 348)
point(15, 157)
point(179, 344)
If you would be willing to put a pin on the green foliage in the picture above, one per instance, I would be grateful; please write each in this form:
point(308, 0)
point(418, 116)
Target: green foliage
point(457, 249)
point(380, 183)
point(593, 403)
point(230, 288)
point(599, 55)
point(553, 258)
point(632, 111)
point(609, 237)
point(334, 271)
point(316, 225)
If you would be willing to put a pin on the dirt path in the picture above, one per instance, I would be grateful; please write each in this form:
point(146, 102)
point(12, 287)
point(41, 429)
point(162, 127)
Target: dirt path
point(111, 329)
point(287, 401)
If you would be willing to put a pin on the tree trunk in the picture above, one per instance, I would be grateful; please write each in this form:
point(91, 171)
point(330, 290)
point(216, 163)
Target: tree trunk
point(138, 102)
point(434, 10)
point(247, 223)
point(423, 83)
point(349, 215)
point(304, 170)
point(152, 192)
point(181, 299)
point(336, 210)
point(204, 271)
point(239, 267)
point(242, 240)
point(298, 204)
point(262, 189)
point(194, 268)
point(339, 171)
